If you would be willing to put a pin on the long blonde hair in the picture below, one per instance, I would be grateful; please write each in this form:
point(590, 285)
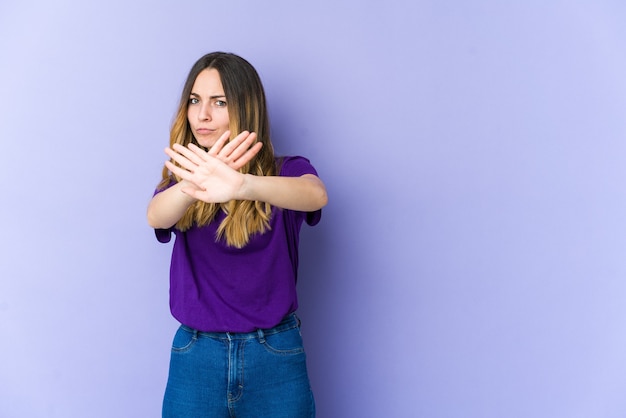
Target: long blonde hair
point(247, 111)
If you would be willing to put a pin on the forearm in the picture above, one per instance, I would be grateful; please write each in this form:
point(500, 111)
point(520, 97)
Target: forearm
point(167, 207)
point(306, 193)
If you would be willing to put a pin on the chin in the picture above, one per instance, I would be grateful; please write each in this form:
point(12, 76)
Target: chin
point(205, 143)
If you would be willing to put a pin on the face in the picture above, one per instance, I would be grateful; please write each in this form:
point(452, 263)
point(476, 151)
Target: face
point(208, 112)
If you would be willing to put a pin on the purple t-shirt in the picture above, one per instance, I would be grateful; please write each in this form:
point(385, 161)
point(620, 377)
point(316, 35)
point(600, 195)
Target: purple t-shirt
point(217, 288)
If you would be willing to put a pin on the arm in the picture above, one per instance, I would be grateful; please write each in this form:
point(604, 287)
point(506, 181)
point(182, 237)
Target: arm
point(167, 207)
point(215, 182)
point(306, 193)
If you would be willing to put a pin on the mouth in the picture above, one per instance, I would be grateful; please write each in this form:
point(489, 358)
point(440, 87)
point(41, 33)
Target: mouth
point(204, 131)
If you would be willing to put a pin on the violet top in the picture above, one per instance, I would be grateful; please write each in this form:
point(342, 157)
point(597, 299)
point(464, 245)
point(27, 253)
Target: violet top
point(217, 288)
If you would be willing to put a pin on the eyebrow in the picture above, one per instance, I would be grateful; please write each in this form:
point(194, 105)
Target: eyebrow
point(219, 96)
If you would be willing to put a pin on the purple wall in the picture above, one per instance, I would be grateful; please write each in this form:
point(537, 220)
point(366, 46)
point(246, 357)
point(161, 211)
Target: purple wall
point(470, 263)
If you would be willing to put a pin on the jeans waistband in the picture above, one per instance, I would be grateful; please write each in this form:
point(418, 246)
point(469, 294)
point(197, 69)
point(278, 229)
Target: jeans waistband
point(289, 322)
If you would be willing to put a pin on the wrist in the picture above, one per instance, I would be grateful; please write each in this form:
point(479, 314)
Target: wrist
point(184, 185)
point(246, 188)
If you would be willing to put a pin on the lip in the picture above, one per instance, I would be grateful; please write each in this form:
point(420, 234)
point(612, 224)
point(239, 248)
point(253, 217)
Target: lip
point(204, 131)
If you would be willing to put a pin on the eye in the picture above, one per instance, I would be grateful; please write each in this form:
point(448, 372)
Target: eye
point(220, 103)
point(193, 100)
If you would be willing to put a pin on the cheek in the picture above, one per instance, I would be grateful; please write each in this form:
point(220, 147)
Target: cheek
point(224, 118)
point(192, 118)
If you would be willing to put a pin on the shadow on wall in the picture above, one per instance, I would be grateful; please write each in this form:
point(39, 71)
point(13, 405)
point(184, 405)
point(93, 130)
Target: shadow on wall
point(323, 299)
point(323, 314)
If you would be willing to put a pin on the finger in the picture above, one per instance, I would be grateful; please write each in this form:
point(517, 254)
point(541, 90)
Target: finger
point(233, 144)
point(243, 147)
point(195, 154)
point(181, 160)
point(217, 147)
point(176, 170)
point(249, 154)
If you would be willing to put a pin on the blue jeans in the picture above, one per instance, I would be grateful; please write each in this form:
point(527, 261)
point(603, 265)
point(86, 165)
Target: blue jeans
point(257, 374)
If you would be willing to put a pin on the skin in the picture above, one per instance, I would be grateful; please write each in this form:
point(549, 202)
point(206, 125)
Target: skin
point(208, 111)
point(212, 176)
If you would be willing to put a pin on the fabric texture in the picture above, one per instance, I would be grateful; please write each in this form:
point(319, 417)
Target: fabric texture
point(217, 288)
point(258, 374)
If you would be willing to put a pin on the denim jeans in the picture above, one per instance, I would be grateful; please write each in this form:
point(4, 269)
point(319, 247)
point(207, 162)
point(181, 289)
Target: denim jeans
point(257, 374)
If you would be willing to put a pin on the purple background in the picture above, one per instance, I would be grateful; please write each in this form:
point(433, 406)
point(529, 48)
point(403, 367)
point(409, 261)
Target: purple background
point(470, 262)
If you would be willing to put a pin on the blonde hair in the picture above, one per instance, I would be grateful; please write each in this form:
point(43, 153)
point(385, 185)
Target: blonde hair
point(247, 111)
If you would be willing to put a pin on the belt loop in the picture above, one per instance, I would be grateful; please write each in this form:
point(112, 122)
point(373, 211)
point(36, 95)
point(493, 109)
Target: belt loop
point(261, 335)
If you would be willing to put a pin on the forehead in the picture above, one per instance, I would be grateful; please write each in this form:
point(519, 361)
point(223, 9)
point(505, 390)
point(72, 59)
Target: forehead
point(208, 82)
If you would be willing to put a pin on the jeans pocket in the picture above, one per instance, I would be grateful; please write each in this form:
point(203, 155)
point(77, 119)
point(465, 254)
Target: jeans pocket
point(184, 340)
point(284, 343)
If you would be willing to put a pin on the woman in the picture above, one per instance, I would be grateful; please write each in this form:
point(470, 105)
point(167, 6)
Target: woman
point(236, 211)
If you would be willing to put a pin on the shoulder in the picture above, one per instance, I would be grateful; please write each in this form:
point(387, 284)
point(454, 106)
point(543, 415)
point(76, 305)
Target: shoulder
point(294, 166)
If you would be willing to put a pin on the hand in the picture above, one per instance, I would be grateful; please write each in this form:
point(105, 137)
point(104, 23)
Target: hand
point(212, 176)
point(237, 152)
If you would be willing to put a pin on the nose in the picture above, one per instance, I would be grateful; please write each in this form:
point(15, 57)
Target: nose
point(205, 112)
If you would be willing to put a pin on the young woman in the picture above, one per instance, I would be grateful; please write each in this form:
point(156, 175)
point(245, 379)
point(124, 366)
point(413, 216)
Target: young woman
point(236, 211)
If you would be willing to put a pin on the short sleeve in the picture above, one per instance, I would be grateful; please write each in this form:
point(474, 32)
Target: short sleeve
point(163, 235)
point(297, 166)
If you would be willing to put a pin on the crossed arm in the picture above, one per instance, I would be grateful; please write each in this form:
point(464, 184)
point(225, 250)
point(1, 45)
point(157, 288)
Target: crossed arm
point(213, 178)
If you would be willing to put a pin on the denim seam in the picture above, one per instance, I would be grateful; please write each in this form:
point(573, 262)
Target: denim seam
point(286, 352)
point(241, 336)
point(189, 346)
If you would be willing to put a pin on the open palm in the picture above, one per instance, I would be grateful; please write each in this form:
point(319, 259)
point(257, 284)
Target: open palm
point(212, 176)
